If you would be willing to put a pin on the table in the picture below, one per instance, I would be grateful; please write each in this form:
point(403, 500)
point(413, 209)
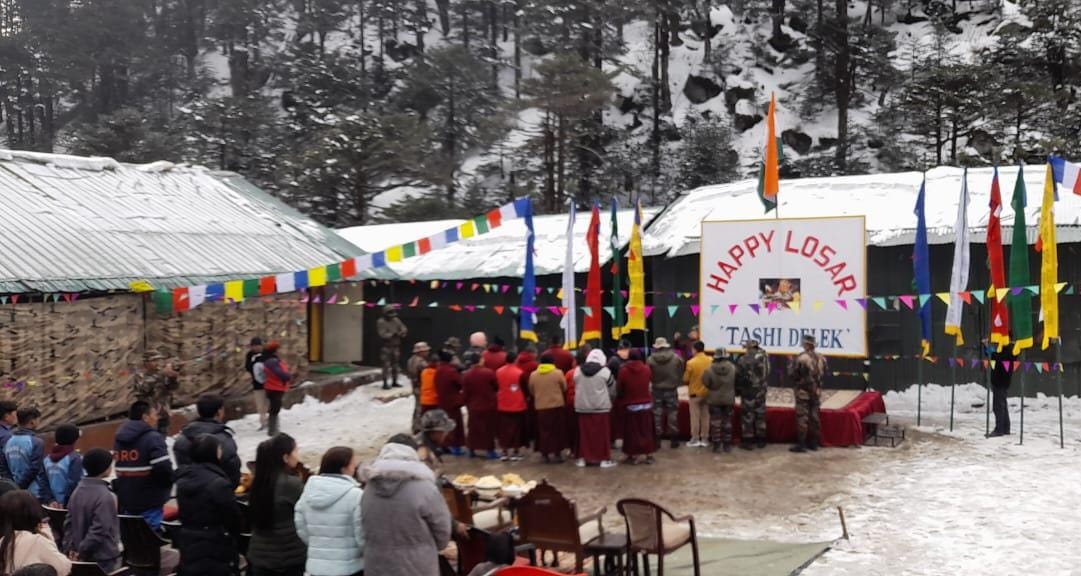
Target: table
point(612, 546)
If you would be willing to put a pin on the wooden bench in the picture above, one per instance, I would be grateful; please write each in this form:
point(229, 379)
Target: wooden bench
point(877, 425)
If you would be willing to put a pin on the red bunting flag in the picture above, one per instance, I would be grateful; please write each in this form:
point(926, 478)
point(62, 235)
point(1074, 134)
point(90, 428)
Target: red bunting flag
point(591, 328)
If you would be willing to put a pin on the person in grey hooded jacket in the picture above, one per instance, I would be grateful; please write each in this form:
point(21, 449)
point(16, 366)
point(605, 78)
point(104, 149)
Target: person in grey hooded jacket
point(327, 517)
point(594, 388)
point(404, 515)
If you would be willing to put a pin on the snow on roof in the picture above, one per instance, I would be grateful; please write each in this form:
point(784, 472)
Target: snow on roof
point(495, 254)
point(75, 224)
point(886, 200)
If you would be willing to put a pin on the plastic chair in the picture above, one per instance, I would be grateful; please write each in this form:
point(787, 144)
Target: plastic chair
point(653, 530)
point(550, 521)
point(57, 517)
point(142, 546)
point(92, 569)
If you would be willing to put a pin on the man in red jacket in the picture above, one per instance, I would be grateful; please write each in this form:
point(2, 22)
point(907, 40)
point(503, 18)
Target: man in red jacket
point(480, 390)
point(448, 385)
point(495, 357)
point(276, 385)
point(563, 359)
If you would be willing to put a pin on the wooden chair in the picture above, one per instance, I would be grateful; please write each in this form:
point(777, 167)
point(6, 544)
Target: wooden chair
point(493, 516)
point(549, 521)
point(473, 549)
point(142, 546)
point(653, 530)
point(92, 569)
point(56, 516)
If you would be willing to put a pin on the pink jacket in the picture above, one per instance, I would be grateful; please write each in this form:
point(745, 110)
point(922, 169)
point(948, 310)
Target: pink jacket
point(37, 548)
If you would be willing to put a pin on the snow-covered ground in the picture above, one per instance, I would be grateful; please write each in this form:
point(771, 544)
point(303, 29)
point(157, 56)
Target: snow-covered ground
point(941, 503)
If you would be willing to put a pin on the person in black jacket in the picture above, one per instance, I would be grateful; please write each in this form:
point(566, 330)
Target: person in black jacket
point(92, 528)
point(210, 518)
point(252, 365)
point(211, 409)
point(144, 471)
point(1001, 378)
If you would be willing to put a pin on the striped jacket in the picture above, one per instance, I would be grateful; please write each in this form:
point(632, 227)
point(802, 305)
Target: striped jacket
point(144, 471)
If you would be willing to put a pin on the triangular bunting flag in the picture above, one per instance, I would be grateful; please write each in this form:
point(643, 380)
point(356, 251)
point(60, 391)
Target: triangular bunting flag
point(648, 311)
point(1059, 287)
point(471, 307)
point(473, 287)
point(924, 299)
point(381, 302)
point(843, 304)
point(1046, 366)
point(818, 305)
point(458, 286)
point(433, 304)
point(794, 305)
point(907, 299)
point(555, 310)
point(587, 311)
point(498, 309)
point(1028, 366)
point(343, 301)
point(416, 300)
point(966, 297)
point(994, 363)
point(672, 311)
point(610, 311)
point(1069, 290)
point(514, 310)
point(434, 285)
point(771, 306)
point(333, 298)
point(1039, 368)
point(862, 302)
point(757, 308)
point(505, 288)
point(978, 295)
point(732, 308)
point(1007, 365)
point(975, 363)
point(943, 296)
point(455, 307)
point(694, 309)
point(880, 301)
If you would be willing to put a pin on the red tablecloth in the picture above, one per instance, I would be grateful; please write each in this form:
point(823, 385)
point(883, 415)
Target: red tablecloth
point(843, 427)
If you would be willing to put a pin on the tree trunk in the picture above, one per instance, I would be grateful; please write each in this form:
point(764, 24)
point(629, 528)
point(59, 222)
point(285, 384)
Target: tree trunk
point(777, 15)
point(450, 142)
point(655, 135)
point(493, 42)
point(842, 84)
point(465, 24)
point(444, 15)
point(598, 36)
point(953, 139)
point(517, 51)
point(707, 48)
point(549, 164)
point(561, 141)
point(939, 141)
point(664, 48)
point(421, 22)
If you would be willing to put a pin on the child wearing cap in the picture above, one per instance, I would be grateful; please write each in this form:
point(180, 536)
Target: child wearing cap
point(92, 528)
point(64, 465)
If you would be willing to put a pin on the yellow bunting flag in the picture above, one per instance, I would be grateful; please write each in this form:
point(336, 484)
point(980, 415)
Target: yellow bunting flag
point(467, 230)
point(234, 291)
point(317, 276)
point(394, 254)
point(140, 286)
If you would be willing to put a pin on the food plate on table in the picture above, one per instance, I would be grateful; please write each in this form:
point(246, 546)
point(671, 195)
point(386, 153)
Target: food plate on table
point(464, 481)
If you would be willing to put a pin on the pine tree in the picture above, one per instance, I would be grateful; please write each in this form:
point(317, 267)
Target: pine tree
point(706, 154)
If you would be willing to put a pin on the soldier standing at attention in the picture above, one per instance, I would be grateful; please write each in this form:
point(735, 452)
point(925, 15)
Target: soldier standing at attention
point(806, 374)
point(391, 330)
point(156, 386)
point(754, 382)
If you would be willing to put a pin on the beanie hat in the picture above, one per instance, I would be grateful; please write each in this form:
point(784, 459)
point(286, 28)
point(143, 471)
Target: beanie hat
point(67, 434)
point(96, 461)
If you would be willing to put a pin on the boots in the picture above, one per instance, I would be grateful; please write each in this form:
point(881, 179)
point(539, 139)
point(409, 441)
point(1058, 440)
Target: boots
point(761, 444)
point(272, 425)
point(746, 444)
point(716, 447)
point(812, 445)
point(798, 447)
point(727, 447)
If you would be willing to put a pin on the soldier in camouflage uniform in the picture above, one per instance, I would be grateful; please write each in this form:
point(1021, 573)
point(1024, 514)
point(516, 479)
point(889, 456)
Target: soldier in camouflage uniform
point(391, 330)
point(156, 386)
point(806, 376)
point(753, 384)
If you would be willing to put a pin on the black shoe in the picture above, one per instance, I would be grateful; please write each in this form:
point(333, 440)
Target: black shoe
point(761, 444)
point(799, 448)
point(996, 434)
point(395, 385)
point(675, 444)
point(386, 386)
point(746, 445)
point(727, 448)
point(716, 447)
point(812, 446)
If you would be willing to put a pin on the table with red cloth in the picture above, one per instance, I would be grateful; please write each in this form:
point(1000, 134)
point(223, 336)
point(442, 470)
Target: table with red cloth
point(840, 427)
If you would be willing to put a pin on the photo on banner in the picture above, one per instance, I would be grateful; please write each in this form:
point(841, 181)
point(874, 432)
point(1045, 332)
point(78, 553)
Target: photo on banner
point(802, 275)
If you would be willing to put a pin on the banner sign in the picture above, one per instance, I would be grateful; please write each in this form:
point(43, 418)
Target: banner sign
point(784, 266)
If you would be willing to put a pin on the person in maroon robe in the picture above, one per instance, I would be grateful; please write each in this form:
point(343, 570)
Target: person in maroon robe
point(448, 385)
point(637, 402)
point(480, 391)
point(527, 361)
point(495, 356)
point(562, 359)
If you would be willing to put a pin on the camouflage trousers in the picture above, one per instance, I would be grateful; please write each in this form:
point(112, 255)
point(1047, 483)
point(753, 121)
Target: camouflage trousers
point(666, 411)
point(720, 424)
point(807, 423)
point(753, 414)
point(391, 359)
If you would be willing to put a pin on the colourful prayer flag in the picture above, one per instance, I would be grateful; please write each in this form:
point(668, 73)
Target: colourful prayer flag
point(569, 320)
point(769, 182)
point(618, 281)
point(1068, 174)
point(921, 264)
point(959, 276)
point(234, 291)
point(1020, 301)
point(1048, 249)
point(636, 319)
point(1000, 316)
point(525, 323)
point(317, 276)
point(591, 329)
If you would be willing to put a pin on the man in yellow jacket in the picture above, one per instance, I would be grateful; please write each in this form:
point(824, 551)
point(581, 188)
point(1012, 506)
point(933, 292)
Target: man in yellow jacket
point(692, 377)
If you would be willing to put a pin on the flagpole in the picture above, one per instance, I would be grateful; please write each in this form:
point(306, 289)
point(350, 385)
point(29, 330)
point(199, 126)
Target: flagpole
point(1058, 379)
point(919, 388)
point(1020, 363)
point(953, 382)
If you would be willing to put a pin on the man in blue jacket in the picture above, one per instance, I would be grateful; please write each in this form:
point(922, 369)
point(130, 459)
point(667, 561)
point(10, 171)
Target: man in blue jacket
point(22, 457)
point(8, 418)
point(144, 472)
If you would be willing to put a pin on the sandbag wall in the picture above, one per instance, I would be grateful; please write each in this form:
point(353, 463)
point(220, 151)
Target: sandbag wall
point(77, 360)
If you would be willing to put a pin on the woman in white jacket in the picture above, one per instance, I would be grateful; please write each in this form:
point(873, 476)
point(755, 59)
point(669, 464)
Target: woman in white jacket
point(25, 537)
point(327, 517)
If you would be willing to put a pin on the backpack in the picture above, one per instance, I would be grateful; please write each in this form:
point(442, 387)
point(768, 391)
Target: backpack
point(258, 371)
point(58, 474)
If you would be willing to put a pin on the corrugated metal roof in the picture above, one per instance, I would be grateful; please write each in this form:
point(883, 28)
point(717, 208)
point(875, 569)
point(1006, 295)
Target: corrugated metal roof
point(886, 200)
point(499, 253)
point(78, 224)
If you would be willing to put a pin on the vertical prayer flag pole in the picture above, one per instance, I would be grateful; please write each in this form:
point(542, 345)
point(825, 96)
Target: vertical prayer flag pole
point(1000, 315)
point(1047, 246)
point(1058, 380)
point(1020, 300)
point(770, 173)
point(618, 308)
point(958, 284)
point(921, 264)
